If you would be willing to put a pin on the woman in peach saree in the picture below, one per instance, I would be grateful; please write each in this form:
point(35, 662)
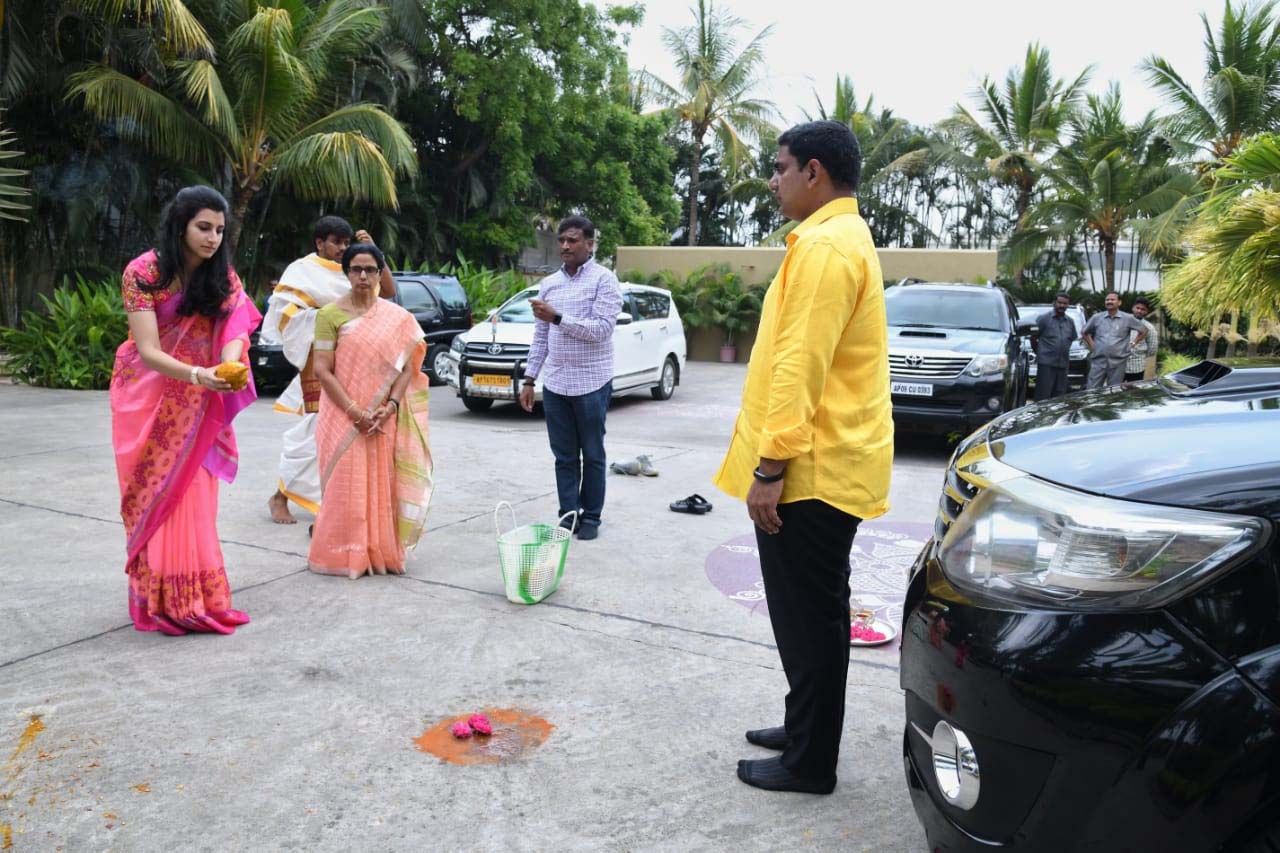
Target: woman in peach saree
point(171, 417)
point(371, 431)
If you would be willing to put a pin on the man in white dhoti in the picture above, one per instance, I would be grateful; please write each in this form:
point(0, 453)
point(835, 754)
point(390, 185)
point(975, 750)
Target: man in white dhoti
point(307, 285)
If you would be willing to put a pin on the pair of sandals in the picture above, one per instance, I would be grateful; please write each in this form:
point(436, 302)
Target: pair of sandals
point(694, 505)
point(641, 465)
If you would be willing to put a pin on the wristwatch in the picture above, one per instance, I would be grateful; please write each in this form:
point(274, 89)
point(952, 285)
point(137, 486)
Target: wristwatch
point(557, 319)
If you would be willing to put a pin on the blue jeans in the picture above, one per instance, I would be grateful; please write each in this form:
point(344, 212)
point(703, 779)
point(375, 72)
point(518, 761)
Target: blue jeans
point(575, 426)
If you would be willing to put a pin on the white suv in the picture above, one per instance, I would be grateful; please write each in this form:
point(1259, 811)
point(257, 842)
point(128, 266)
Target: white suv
point(488, 362)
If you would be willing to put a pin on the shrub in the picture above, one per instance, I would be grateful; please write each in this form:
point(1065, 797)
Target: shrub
point(73, 344)
point(486, 288)
point(1172, 362)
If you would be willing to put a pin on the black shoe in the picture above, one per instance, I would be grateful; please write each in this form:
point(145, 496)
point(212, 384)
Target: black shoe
point(588, 531)
point(774, 738)
point(568, 524)
point(770, 775)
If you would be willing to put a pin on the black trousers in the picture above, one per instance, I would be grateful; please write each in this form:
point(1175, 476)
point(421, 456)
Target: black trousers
point(1051, 382)
point(806, 583)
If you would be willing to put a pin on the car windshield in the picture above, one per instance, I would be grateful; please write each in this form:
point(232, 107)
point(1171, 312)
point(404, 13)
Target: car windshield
point(944, 309)
point(517, 309)
point(451, 293)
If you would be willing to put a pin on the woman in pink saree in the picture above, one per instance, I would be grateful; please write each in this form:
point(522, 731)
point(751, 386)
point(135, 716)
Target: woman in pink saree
point(171, 417)
point(371, 431)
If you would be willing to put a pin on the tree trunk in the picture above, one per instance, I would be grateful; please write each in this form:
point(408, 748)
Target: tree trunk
point(1251, 350)
point(695, 167)
point(1109, 262)
point(239, 207)
point(1023, 202)
point(1231, 331)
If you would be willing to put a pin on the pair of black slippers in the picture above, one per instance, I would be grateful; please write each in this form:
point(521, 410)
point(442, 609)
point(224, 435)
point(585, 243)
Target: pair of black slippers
point(694, 505)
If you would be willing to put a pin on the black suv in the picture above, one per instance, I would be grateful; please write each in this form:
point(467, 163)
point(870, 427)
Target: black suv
point(437, 302)
point(442, 309)
point(955, 355)
point(1091, 638)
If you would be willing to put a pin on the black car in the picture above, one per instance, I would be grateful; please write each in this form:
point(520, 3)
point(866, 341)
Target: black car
point(1091, 639)
point(955, 355)
point(442, 309)
point(437, 302)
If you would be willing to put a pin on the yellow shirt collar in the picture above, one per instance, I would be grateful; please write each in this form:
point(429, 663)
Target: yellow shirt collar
point(835, 207)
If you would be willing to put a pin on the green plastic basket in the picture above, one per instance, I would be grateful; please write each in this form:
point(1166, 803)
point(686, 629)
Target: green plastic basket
point(532, 556)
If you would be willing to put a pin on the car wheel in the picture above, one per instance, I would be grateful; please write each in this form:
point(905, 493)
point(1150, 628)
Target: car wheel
point(667, 384)
point(436, 363)
point(476, 404)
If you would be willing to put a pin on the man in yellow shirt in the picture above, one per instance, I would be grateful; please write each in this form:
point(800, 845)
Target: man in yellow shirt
point(813, 446)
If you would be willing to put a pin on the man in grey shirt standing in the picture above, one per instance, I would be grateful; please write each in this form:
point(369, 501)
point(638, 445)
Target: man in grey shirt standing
point(1055, 332)
point(1107, 337)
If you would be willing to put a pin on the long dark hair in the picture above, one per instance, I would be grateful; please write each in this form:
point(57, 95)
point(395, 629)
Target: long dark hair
point(210, 284)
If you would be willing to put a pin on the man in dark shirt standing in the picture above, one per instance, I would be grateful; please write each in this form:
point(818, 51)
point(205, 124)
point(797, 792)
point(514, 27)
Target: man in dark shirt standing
point(1056, 331)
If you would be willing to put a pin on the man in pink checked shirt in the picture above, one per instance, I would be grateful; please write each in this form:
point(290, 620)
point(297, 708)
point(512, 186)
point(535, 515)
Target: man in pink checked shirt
point(575, 312)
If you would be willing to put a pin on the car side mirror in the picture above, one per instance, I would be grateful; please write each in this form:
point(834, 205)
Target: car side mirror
point(624, 318)
point(1027, 328)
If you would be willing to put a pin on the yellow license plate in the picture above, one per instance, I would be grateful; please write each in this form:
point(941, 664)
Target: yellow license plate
point(491, 379)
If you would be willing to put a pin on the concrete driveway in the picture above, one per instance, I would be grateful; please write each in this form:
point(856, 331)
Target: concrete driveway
point(298, 732)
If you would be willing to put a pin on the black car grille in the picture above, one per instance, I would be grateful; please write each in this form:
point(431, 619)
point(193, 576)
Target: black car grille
point(504, 354)
point(927, 366)
point(956, 494)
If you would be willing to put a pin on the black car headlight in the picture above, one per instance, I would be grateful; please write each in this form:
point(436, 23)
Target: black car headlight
point(1026, 541)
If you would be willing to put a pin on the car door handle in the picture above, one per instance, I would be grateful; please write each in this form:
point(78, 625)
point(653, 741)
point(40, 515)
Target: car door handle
point(638, 333)
point(662, 328)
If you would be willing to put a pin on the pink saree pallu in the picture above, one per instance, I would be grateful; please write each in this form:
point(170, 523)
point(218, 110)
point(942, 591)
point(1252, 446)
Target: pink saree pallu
point(173, 441)
point(376, 488)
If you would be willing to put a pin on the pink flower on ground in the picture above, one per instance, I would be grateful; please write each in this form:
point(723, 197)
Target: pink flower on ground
point(480, 724)
point(461, 730)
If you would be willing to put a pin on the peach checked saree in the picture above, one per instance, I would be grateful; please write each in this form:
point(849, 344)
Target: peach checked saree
point(376, 488)
point(173, 441)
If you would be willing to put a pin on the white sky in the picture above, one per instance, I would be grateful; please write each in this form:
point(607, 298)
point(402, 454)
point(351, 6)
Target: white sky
point(920, 58)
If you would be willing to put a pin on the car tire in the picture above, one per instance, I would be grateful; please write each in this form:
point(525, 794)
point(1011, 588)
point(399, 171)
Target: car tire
point(431, 364)
point(476, 404)
point(667, 380)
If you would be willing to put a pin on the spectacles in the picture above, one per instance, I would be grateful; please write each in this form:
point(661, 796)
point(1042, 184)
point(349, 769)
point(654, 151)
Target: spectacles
point(360, 272)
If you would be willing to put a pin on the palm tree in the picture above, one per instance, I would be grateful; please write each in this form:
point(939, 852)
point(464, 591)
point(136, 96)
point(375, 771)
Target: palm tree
point(1232, 265)
point(1241, 84)
point(714, 91)
point(1104, 184)
point(267, 108)
point(1019, 127)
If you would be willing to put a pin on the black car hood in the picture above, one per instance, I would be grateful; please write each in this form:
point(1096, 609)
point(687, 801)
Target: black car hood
point(1144, 442)
point(976, 341)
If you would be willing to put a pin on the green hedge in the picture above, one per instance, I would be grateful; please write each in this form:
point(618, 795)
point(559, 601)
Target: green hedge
point(72, 344)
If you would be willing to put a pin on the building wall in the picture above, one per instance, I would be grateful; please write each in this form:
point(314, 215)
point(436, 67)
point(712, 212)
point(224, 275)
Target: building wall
point(757, 266)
